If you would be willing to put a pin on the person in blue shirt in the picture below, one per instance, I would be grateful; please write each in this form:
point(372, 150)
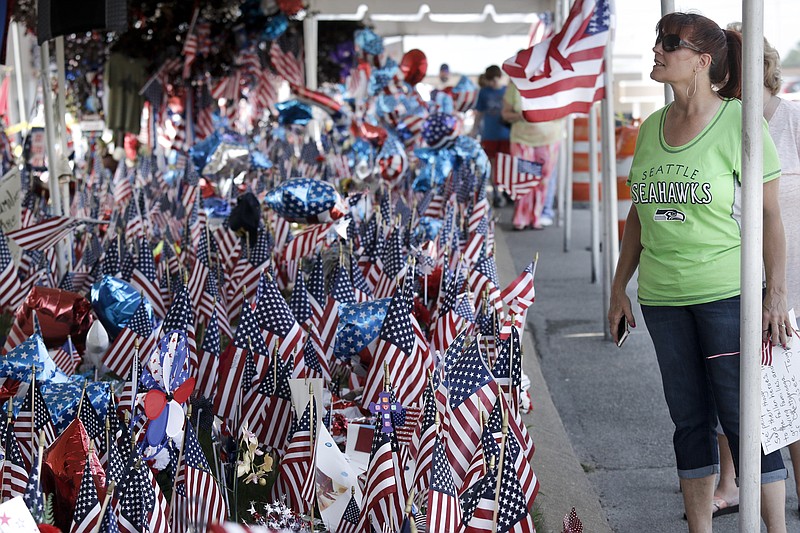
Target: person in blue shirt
point(489, 124)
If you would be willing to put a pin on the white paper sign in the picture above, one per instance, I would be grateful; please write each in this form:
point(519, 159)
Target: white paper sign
point(780, 395)
point(15, 517)
point(10, 198)
point(335, 478)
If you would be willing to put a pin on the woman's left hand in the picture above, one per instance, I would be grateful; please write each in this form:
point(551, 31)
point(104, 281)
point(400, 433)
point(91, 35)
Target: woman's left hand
point(775, 318)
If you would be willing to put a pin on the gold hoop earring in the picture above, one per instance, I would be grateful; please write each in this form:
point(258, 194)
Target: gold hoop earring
point(689, 96)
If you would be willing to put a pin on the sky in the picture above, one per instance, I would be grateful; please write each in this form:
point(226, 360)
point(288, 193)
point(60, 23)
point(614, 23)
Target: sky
point(636, 20)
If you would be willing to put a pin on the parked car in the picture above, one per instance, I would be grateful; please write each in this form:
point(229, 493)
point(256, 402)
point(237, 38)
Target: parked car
point(791, 89)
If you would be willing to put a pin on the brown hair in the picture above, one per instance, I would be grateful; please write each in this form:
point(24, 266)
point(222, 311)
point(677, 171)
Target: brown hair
point(772, 69)
point(493, 72)
point(724, 47)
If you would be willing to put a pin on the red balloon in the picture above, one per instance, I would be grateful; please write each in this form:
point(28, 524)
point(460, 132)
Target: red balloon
point(60, 313)
point(369, 132)
point(64, 462)
point(414, 66)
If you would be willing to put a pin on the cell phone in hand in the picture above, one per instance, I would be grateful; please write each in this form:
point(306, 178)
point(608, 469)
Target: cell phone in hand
point(623, 330)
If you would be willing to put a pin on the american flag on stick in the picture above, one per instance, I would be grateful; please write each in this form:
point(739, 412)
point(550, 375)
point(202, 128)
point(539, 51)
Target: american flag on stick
point(286, 58)
point(517, 176)
point(296, 479)
point(47, 233)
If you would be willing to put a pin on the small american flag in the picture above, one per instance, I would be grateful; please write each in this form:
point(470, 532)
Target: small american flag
point(572, 524)
point(33, 497)
point(307, 241)
point(66, 357)
point(46, 234)
point(10, 294)
point(517, 176)
point(87, 506)
point(34, 417)
point(119, 358)
point(286, 58)
point(296, 479)
point(444, 508)
point(15, 472)
point(206, 502)
point(471, 389)
point(145, 278)
point(349, 521)
point(382, 503)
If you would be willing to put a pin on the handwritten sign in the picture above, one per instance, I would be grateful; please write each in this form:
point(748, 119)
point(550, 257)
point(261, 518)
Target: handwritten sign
point(10, 186)
point(780, 396)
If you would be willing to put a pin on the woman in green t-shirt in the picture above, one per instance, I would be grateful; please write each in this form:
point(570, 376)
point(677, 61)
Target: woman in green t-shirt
point(683, 233)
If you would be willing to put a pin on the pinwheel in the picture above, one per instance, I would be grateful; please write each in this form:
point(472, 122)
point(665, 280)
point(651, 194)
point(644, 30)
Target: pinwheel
point(167, 378)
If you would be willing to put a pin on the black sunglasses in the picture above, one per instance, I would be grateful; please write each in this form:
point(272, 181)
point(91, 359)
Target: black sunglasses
point(672, 42)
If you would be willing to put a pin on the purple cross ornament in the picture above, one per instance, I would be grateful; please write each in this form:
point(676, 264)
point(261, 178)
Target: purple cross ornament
point(383, 409)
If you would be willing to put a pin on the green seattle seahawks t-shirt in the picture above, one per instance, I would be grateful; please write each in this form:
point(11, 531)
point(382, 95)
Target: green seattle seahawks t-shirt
point(688, 199)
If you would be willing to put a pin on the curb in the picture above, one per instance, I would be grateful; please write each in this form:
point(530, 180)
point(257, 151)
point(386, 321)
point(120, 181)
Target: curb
point(562, 480)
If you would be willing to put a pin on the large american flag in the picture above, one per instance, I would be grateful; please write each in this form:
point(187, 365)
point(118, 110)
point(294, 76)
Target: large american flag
point(564, 74)
point(517, 176)
point(296, 479)
point(287, 59)
point(87, 506)
point(444, 508)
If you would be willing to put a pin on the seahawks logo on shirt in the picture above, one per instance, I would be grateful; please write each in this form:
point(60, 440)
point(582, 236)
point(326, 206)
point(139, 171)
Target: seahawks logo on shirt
point(669, 215)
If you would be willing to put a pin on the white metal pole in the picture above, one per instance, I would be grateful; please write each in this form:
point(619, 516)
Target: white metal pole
point(567, 152)
point(52, 155)
point(667, 6)
point(18, 78)
point(752, 221)
point(611, 229)
point(594, 194)
point(310, 35)
point(569, 149)
point(62, 132)
point(562, 176)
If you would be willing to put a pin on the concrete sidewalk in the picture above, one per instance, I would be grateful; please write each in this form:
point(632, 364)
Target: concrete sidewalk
point(563, 482)
point(600, 423)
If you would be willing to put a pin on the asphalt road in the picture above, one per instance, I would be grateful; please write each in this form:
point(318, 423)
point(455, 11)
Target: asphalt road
point(609, 399)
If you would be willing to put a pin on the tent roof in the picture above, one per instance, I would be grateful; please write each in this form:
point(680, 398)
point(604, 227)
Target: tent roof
point(437, 17)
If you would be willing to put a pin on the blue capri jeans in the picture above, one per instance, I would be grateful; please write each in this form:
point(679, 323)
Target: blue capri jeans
point(697, 347)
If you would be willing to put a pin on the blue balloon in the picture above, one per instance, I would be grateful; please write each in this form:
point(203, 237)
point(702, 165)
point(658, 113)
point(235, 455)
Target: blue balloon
point(293, 112)
point(114, 301)
point(359, 325)
point(304, 200)
point(428, 228)
point(369, 41)
point(275, 27)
